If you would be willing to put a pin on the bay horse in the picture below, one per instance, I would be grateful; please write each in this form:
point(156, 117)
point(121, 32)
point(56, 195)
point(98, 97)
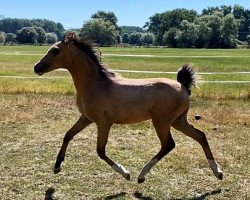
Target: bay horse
point(105, 98)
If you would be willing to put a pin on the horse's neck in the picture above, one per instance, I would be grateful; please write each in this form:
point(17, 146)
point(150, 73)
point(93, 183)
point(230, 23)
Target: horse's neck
point(84, 73)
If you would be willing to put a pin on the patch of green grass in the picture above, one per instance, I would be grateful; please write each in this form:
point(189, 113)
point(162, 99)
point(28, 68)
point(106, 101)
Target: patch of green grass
point(176, 51)
point(33, 127)
point(52, 86)
point(13, 63)
point(27, 49)
point(223, 91)
point(173, 64)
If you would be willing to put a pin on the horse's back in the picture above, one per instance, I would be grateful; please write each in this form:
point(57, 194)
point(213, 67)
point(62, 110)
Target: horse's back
point(136, 100)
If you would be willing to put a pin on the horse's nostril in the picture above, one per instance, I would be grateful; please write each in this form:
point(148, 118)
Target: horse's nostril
point(40, 68)
point(37, 69)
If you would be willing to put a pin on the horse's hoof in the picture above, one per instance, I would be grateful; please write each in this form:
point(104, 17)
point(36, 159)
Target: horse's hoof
point(57, 170)
point(141, 180)
point(127, 176)
point(220, 176)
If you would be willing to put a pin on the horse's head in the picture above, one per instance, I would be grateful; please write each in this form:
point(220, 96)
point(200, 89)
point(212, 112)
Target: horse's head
point(58, 56)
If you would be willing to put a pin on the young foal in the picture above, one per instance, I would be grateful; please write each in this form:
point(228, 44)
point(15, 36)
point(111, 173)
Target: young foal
point(105, 99)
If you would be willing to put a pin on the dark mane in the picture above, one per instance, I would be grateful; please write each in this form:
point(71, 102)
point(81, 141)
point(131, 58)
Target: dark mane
point(88, 47)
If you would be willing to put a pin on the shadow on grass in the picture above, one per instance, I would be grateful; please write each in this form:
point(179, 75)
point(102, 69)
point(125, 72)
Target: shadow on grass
point(114, 196)
point(49, 194)
point(202, 196)
point(140, 196)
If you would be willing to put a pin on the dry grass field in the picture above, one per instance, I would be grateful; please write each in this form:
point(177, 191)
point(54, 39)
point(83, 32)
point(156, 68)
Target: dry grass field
point(33, 126)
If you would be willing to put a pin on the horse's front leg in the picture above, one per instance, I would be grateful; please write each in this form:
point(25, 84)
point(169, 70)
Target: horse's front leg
point(82, 123)
point(102, 139)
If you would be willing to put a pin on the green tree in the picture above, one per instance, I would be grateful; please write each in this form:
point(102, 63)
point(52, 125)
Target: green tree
point(223, 8)
point(155, 26)
point(10, 38)
point(161, 22)
point(214, 22)
point(239, 12)
point(2, 37)
point(135, 38)
point(226, 9)
point(60, 26)
point(12, 25)
point(244, 16)
point(248, 41)
point(203, 35)
point(187, 35)
point(125, 38)
point(169, 37)
point(118, 39)
point(49, 26)
point(230, 27)
point(59, 31)
point(147, 38)
point(131, 29)
point(41, 35)
point(51, 38)
point(106, 16)
point(103, 32)
point(210, 10)
point(27, 35)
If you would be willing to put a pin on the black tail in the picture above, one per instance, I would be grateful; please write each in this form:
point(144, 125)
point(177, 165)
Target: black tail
point(186, 76)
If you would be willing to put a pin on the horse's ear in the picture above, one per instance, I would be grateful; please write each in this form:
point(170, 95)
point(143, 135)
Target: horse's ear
point(70, 37)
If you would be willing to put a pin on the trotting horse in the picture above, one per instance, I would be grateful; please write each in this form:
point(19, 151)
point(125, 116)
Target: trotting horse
point(104, 98)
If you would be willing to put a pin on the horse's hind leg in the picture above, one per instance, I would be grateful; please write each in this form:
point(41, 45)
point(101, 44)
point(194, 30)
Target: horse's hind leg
point(182, 125)
point(167, 144)
point(102, 139)
point(82, 123)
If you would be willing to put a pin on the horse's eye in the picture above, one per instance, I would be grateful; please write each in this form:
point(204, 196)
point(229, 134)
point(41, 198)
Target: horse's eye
point(54, 51)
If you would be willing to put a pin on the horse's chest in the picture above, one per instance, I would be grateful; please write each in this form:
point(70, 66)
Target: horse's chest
point(80, 105)
point(89, 108)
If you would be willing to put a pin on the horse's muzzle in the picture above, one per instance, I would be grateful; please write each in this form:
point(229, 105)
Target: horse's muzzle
point(40, 68)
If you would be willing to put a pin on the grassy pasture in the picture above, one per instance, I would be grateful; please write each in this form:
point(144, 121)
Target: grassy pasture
point(33, 126)
point(19, 61)
point(36, 113)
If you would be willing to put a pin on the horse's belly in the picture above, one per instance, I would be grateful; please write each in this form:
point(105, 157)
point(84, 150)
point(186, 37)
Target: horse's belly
point(132, 121)
point(131, 117)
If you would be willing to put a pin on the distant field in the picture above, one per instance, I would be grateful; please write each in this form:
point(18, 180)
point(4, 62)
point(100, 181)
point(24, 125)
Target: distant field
point(19, 61)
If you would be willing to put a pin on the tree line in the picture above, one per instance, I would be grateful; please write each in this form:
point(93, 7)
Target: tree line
point(215, 27)
point(27, 31)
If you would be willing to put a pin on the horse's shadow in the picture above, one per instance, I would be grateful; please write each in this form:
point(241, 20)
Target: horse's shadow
point(140, 196)
point(49, 194)
point(114, 196)
point(203, 196)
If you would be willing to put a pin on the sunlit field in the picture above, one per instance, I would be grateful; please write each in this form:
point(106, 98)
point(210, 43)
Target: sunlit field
point(19, 61)
point(36, 112)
